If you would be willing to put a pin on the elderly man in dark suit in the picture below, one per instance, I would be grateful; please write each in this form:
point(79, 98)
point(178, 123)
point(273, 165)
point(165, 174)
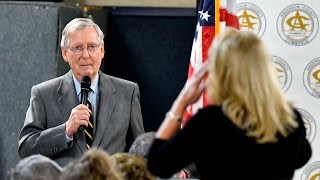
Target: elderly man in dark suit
point(53, 119)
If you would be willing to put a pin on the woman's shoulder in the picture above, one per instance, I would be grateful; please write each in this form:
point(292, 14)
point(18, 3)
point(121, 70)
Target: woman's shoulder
point(211, 109)
point(209, 112)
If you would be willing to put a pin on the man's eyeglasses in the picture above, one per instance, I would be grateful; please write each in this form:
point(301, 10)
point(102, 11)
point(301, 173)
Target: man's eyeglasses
point(79, 49)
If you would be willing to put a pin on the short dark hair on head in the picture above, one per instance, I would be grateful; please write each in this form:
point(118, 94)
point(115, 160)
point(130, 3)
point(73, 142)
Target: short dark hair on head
point(36, 167)
point(142, 144)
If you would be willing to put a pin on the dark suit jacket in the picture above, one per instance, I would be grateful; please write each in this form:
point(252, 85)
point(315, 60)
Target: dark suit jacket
point(118, 122)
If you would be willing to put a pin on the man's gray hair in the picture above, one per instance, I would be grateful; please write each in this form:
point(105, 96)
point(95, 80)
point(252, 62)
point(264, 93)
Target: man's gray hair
point(79, 23)
point(142, 144)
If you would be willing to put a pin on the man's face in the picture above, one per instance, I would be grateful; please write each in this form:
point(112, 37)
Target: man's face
point(84, 53)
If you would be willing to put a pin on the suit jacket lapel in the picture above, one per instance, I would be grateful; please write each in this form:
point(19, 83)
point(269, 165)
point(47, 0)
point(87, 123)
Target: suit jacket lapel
point(106, 105)
point(67, 102)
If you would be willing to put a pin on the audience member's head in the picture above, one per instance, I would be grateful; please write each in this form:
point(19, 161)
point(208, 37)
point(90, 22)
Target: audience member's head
point(95, 164)
point(142, 143)
point(141, 146)
point(36, 167)
point(245, 83)
point(132, 166)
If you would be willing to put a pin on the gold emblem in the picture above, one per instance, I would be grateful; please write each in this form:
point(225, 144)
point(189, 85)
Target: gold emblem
point(315, 75)
point(311, 172)
point(283, 72)
point(311, 77)
point(245, 20)
point(316, 176)
point(297, 24)
point(251, 18)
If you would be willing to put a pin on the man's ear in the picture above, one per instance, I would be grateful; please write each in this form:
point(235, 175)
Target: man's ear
point(102, 50)
point(64, 54)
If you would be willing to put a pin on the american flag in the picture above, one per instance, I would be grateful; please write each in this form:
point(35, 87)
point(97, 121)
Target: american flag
point(212, 18)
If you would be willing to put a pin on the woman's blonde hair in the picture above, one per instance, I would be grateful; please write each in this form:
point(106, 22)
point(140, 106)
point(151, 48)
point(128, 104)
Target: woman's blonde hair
point(132, 166)
point(243, 80)
point(95, 164)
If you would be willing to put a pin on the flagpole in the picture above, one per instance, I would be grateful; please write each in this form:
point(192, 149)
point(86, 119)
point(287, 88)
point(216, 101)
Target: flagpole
point(217, 16)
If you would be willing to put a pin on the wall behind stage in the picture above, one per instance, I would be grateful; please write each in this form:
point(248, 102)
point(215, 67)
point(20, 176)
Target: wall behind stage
point(151, 47)
point(291, 31)
point(29, 54)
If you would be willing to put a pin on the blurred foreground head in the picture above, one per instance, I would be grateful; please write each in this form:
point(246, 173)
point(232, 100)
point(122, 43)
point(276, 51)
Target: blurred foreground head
point(95, 164)
point(36, 167)
point(132, 166)
point(142, 144)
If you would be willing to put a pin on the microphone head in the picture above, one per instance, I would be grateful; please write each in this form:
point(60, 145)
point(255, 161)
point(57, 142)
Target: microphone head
point(85, 83)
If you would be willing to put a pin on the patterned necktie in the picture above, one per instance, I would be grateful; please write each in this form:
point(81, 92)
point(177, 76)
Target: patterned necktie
point(89, 130)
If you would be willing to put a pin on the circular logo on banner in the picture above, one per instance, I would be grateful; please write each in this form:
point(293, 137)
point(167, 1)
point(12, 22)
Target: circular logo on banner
point(311, 172)
point(309, 123)
point(311, 77)
point(251, 18)
point(297, 24)
point(283, 72)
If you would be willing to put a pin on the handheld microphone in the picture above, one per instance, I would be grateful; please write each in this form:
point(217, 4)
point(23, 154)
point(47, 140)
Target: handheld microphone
point(85, 89)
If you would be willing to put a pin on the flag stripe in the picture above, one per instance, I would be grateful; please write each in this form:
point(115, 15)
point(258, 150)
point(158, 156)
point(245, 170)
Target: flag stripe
point(207, 37)
point(232, 21)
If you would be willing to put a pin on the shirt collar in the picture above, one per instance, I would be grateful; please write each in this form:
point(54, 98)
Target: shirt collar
point(94, 84)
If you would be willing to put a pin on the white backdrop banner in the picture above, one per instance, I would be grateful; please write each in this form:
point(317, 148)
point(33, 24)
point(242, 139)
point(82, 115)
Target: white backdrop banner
point(290, 29)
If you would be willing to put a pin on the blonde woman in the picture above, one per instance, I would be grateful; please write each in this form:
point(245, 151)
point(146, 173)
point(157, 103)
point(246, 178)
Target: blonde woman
point(250, 132)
